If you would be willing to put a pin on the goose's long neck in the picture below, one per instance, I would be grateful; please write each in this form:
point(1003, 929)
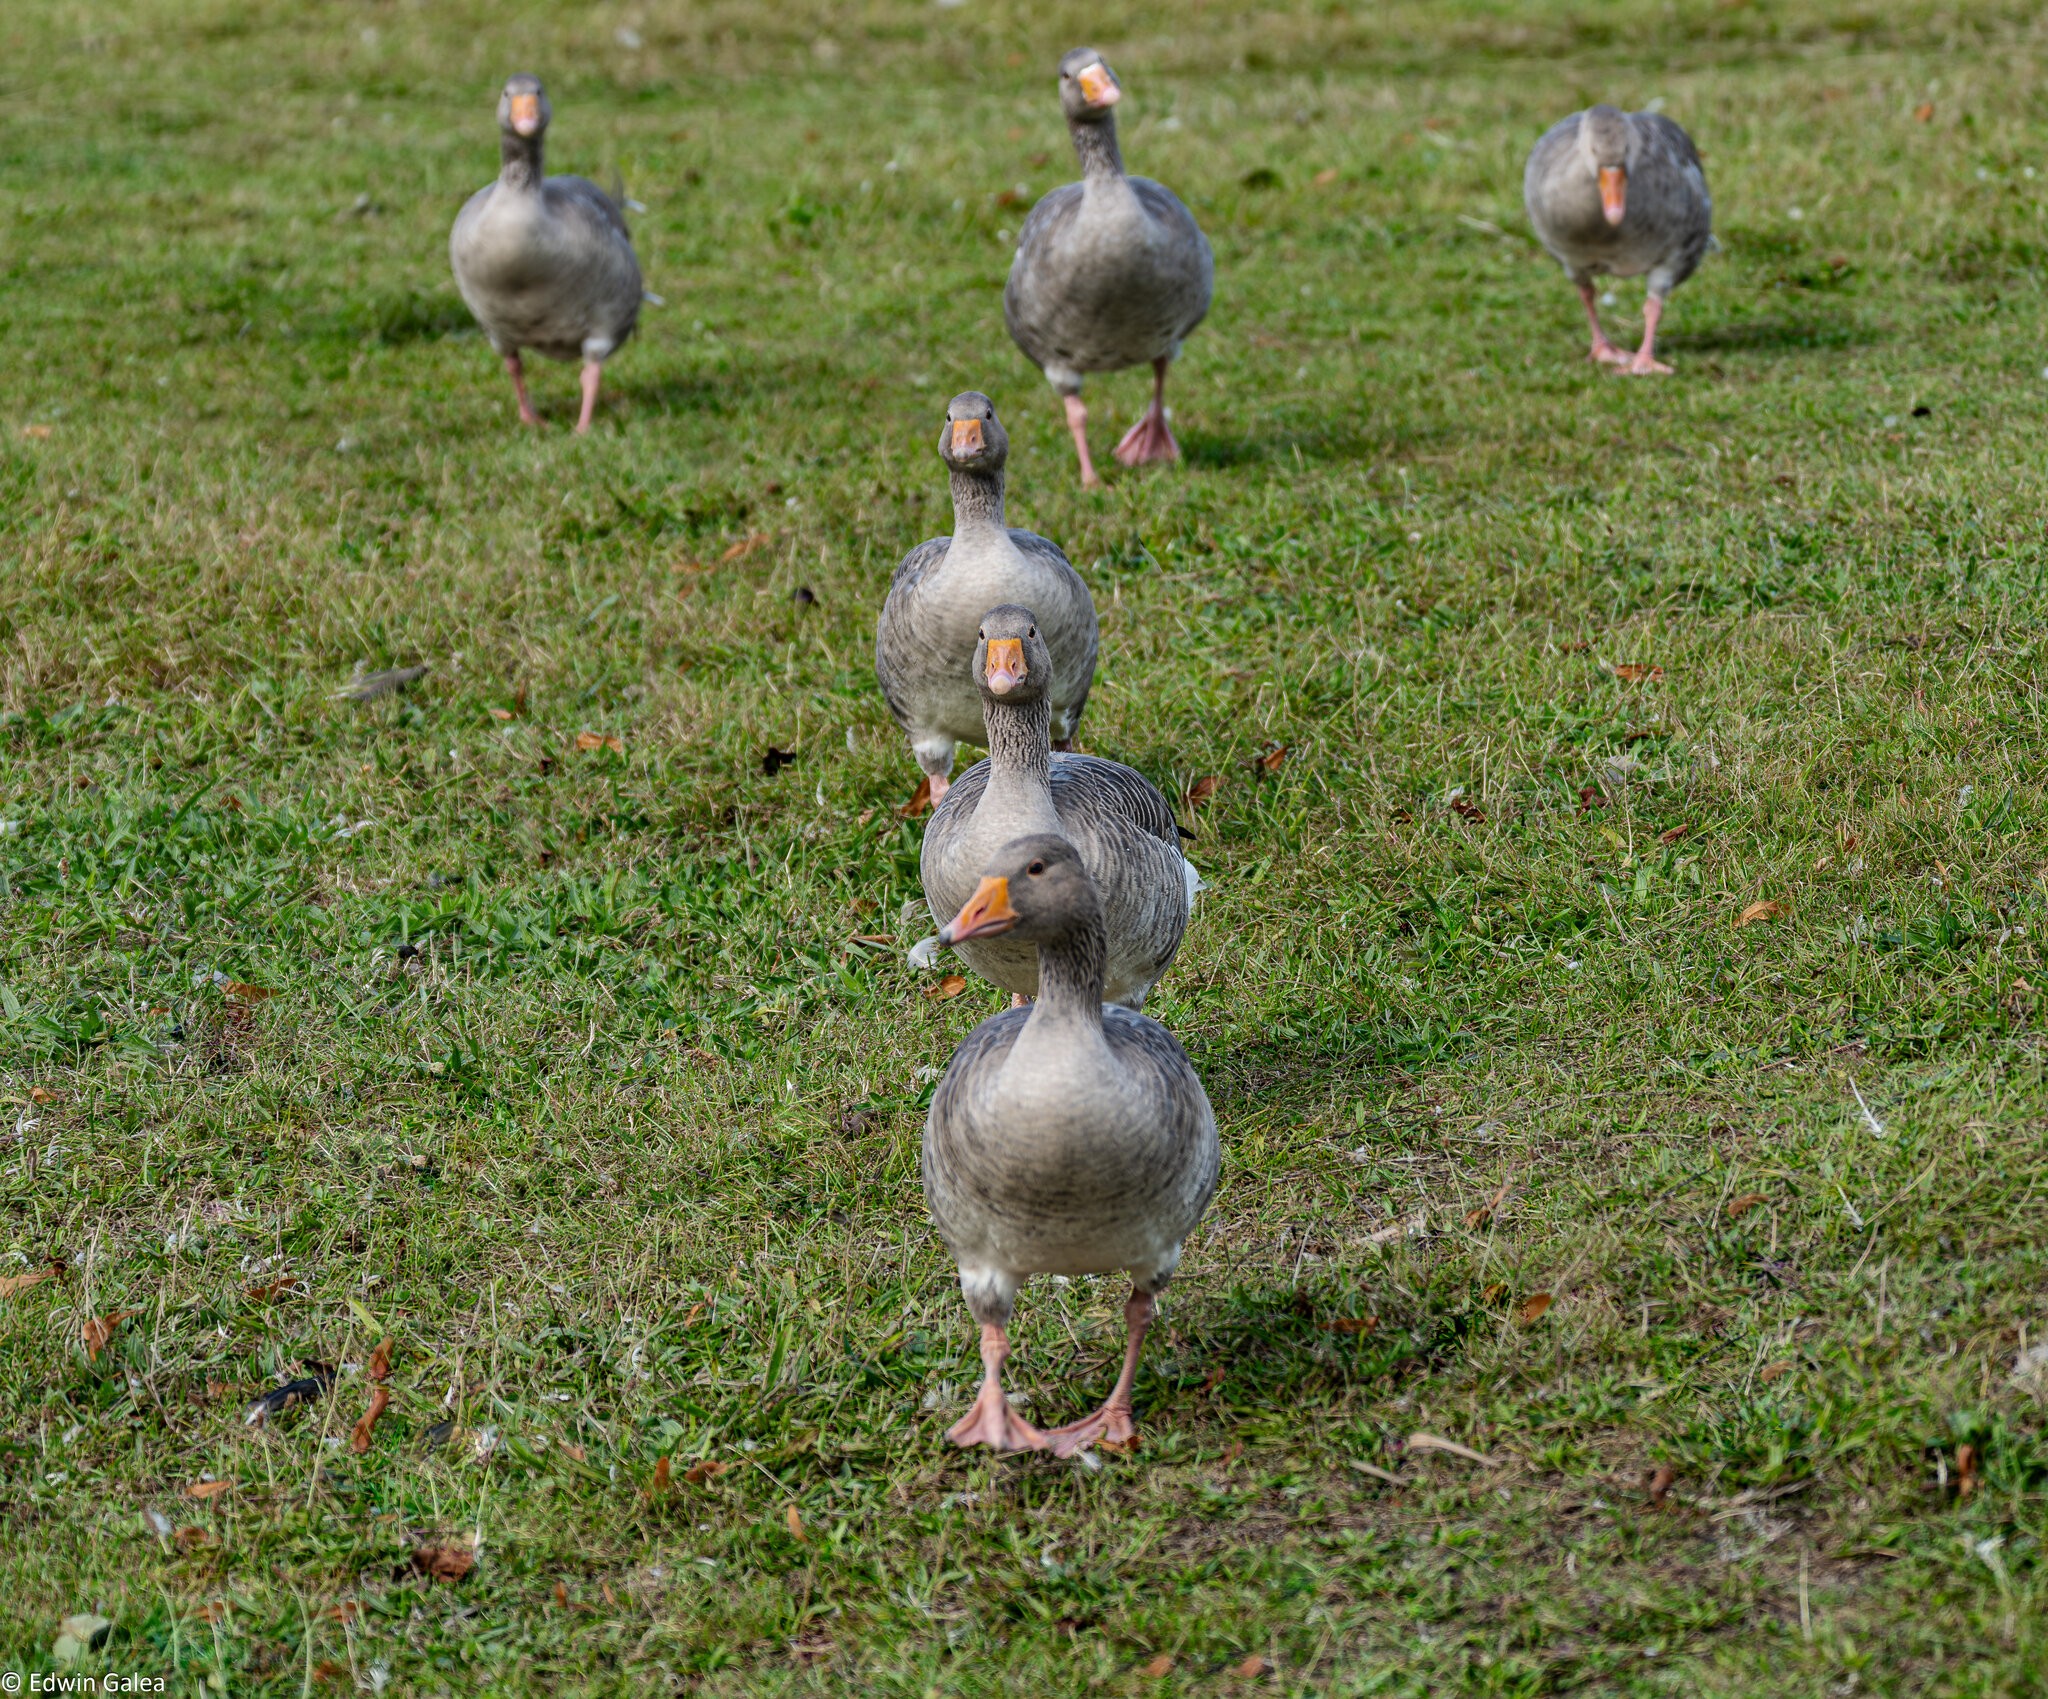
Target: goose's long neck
point(1019, 751)
point(519, 161)
point(977, 502)
point(1095, 145)
point(1070, 976)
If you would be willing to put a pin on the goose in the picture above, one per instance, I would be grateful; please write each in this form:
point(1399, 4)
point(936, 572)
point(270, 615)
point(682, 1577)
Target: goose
point(1116, 818)
point(1620, 193)
point(1072, 1137)
point(1110, 272)
point(927, 628)
point(544, 262)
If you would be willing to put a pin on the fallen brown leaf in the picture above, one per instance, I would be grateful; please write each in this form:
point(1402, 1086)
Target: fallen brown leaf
point(597, 740)
point(191, 1539)
point(1635, 672)
point(346, 1611)
point(99, 1329)
point(1532, 1308)
point(214, 1610)
point(380, 1361)
point(1924, 112)
point(39, 432)
point(951, 986)
point(1350, 1324)
point(704, 1469)
point(1202, 789)
point(1474, 1217)
point(1660, 1484)
point(1772, 1372)
point(1672, 836)
point(1435, 1442)
point(1592, 797)
point(1762, 911)
point(1254, 1666)
point(1270, 761)
point(359, 1435)
point(1466, 809)
point(575, 1453)
point(794, 1520)
point(1966, 1470)
point(1324, 178)
point(208, 1489)
point(1495, 1291)
point(270, 1289)
point(1747, 1202)
point(696, 1314)
point(443, 1563)
point(1161, 1665)
point(244, 993)
point(14, 1283)
point(659, 1484)
point(920, 799)
point(744, 547)
point(501, 713)
point(41, 1094)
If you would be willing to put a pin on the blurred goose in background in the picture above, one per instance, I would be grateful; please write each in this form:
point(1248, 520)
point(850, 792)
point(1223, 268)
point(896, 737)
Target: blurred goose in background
point(931, 620)
point(1115, 817)
point(545, 262)
point(1620, 193)
point(1110, 272)
point(1070, 1138)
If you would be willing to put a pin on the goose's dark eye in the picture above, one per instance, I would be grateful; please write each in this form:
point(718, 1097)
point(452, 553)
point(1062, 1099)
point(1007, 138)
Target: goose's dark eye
point(982, 635)
point(1033, 632)
point(1036, 867)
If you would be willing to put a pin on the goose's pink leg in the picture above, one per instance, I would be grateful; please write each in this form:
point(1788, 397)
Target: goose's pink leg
point(593, 372)
point(1114, 1422)
point(1077, 422)
point(1603, 351)
point(1646, 361)
point(991, 1422)
point(1150, 438)
point(527, 416)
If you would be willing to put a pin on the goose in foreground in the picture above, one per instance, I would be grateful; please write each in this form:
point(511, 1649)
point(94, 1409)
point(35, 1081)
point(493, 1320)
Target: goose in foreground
point(1110, 272)
point(544, 262)
point(1117, 820)
point(929, 622)
point(1620, 193)
point(1071, 1137)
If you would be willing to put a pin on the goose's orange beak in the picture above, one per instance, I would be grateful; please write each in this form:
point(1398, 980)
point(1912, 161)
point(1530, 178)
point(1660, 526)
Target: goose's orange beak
point(987, 914)
point(1613, 193)
point(1006, 668)
point(967, 436)
point(1099, 88)
point(525, 113)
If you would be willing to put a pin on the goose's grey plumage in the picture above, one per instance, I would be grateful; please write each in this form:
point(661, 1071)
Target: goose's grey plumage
point(928, 628)
point(1621, 194)
point(1110, 272)
point(1115, 817)
point(1071, 1137)
point(545, 262)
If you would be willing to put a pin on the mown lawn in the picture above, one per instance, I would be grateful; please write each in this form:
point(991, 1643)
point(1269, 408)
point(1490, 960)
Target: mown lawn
point(565, 1062)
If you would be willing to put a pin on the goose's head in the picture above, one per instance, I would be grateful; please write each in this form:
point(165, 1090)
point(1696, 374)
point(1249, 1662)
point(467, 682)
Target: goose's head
point(1089, 90)
point(1011, 660)
point(973, 439)
point(523, 108)
point(1034, 889)
point(1603, 139)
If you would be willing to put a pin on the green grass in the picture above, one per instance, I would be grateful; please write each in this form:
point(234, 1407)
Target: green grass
point(576, 1084)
